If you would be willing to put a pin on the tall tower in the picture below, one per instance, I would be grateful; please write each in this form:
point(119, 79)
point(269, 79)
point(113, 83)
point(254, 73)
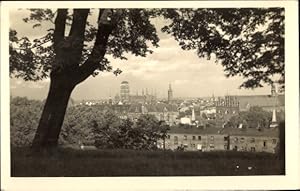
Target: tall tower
point(273, 90)
point(170, 94)
point(274, 120)
point(274, 94)
point(193, 115)
point(124, 91)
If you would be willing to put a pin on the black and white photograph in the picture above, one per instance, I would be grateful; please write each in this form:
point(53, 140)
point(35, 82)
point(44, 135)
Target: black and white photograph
point(147, 91)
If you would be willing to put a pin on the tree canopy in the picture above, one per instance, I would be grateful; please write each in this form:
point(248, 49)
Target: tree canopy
point(256, 117)
point(248, 42)
point(34, 60)
point(113, 132)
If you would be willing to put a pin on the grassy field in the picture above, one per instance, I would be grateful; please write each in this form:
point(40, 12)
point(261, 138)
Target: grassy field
point(84, 163)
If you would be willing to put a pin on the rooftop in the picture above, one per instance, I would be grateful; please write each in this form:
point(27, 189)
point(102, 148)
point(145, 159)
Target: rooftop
point(158, 107)
point(225, 131)
point(260, 100)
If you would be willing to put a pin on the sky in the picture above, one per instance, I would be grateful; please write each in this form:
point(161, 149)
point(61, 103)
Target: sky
point(188, 75)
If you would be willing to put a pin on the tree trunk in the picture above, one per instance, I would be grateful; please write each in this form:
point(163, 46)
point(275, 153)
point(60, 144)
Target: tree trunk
point(66, 73)
point(52, 117)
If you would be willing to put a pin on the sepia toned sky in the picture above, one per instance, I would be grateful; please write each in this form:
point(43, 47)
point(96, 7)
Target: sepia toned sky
point(189, 75)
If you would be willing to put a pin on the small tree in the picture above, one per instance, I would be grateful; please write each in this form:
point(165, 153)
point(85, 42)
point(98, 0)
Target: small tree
point(256, 117)
point(106, 129)
point(164, 128)
point(150, 128)
point(76, 127)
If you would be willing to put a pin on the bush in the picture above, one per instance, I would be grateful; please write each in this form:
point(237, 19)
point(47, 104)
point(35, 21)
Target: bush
point(24, 118)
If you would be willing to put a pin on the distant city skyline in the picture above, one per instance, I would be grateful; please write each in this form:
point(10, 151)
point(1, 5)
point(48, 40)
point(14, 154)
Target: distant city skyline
point(189, 75)
point(39, 90)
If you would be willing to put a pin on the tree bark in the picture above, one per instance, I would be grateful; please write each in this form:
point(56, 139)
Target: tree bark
point(53, 113)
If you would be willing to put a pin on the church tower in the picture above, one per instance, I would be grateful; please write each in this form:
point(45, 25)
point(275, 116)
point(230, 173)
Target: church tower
point(124, 91)
point(170, 94)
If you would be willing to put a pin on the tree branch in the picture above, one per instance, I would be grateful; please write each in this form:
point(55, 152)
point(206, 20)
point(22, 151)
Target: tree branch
point(105, 28)
point(60, 25)
point(79, 22)
point(76, 35)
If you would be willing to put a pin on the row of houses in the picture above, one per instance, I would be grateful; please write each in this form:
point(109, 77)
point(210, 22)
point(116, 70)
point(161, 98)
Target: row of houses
point(221, 139)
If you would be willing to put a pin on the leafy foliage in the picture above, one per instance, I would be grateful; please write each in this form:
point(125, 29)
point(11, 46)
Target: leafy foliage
point(24, 116)
point(256, 117)
point(34, 60)
point(248, 42)
point(106, 130)
point(128, 135)
point(24, 56)
point(76, 127)
point(87, 125)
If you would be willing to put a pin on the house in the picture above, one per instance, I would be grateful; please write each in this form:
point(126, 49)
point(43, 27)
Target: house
point(252, 139)
point(191, 138)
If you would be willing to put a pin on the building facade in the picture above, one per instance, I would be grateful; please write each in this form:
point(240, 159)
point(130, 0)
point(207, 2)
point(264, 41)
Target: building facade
point(163, 112)
point(216, 139)
point(254, 140)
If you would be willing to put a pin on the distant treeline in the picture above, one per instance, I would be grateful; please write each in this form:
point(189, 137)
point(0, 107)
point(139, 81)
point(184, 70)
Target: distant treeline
point(86, 125)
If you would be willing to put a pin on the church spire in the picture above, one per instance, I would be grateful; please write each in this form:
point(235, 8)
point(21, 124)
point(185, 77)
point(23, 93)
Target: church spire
point(193, 115)
point(274, 120)
point(273, 90)
point(170, 93)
